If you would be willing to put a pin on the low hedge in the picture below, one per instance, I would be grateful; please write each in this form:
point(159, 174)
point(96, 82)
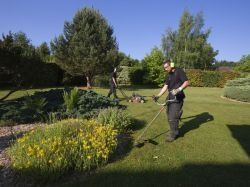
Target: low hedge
point(238, 89)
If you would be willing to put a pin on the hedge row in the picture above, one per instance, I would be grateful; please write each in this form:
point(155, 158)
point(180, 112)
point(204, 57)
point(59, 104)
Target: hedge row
point(199, 78)
point(238, 89)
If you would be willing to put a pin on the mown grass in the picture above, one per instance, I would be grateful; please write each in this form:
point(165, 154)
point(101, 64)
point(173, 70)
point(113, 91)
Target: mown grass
point(213, 148)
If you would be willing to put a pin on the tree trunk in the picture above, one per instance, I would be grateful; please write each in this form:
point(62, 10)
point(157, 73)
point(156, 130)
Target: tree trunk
point(88, 82)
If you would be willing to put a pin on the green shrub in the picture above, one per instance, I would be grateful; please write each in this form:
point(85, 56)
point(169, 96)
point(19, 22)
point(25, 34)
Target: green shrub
point(85, 105)
point(136, 75)
point(70, 99)
point(34, 104)
point(238, 89)
point(117, 118)
point(48, 152)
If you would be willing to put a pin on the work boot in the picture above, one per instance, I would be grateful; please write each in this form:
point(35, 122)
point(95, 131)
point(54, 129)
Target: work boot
point(171, 138)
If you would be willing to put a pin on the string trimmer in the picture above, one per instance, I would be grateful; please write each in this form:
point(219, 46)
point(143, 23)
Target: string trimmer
point(139, 142)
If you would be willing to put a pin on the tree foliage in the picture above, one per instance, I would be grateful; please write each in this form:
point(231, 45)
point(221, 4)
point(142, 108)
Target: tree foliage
point(153, 65)
point(20, 65)
point(244, 64)
point(87, 46)
point(188, 46)
point(43, 52)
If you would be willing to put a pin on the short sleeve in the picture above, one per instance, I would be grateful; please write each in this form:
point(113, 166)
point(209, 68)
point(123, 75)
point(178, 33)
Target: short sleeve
point(182, 75)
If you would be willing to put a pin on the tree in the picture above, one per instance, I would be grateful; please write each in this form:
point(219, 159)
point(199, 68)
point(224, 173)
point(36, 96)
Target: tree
point(15, 52)
point(43, 52)
point(126, 60)
point(244, 64)
point(153, 65)
point(87, 46)
point(188, 46)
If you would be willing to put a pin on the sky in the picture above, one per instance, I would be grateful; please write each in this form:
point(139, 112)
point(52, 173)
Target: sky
point(138, 24)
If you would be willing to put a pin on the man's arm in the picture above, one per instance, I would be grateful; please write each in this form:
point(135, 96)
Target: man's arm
point(163, 90)
point(182, 87)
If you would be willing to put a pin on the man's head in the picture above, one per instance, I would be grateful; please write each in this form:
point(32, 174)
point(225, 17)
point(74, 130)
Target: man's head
point(168, 65)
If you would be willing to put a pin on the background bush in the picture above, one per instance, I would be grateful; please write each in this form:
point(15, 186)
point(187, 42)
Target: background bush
point(48, 152)
point(136, 75)
point(123, 76)
point(238, 89)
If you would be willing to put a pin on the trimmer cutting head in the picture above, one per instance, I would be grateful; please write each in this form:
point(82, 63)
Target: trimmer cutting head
point(141, 143)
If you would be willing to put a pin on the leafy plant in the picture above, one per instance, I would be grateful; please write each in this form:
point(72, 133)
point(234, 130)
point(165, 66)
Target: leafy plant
point(34, 104)
point(70, 99)
point(117, 118)
point(38, 107)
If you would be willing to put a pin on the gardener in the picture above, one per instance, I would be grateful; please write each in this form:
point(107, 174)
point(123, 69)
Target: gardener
point(175, 83)
point(113, 84)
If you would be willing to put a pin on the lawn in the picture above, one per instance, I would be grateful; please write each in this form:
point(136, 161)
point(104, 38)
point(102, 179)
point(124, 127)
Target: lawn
point(213, 148)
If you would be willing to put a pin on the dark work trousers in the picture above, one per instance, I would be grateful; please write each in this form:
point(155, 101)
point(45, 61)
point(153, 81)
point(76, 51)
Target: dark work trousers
point(112, 90)
point(174, 112)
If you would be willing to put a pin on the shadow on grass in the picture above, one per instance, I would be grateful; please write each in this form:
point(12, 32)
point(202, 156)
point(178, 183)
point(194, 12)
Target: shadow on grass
point(241, 134)
point(195, 123)
point(137, 124)
point(191, 174)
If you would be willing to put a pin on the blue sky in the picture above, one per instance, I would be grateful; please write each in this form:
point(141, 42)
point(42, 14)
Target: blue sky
point(138, 24)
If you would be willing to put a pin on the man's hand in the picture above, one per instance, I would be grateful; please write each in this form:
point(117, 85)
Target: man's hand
point(176, 91)
point(155, 98)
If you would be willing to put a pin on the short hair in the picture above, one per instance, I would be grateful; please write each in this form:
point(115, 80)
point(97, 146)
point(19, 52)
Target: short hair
point(168, 61)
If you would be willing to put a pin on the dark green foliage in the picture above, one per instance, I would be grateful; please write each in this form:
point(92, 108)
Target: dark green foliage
point(20, 66)
point(87, 47)
point(101, 80)
point(38, 107)
point(137, 75)
point(43, 52)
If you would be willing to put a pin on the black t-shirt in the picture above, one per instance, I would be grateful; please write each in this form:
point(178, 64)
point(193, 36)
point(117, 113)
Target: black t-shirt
point(112, 75)
point(174, 81)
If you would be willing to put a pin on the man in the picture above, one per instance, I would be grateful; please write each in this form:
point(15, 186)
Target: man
point(113, 84)
point(176, 82)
